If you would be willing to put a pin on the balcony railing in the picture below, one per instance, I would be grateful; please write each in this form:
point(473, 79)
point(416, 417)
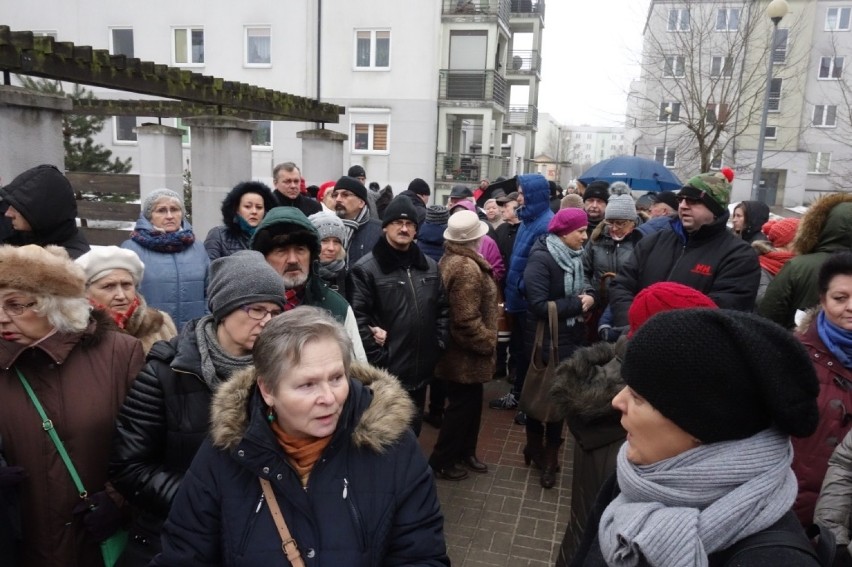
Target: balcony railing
point(527, 8)
point(522, 116)
point(470, 168)
point(524, 62)
point(485, 86)
point(499, 8)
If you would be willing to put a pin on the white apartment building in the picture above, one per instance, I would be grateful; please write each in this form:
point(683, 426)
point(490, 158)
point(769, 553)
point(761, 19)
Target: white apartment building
point(565, 151)
point(417, 79)
point(704, 74)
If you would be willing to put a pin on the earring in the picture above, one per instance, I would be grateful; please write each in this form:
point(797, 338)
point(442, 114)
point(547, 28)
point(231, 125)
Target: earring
point(270, 415)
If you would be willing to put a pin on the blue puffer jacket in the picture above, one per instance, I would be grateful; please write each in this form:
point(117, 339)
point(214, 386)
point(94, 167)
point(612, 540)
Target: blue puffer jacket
point(535, 215)
point(174, 282)
point(370, 498)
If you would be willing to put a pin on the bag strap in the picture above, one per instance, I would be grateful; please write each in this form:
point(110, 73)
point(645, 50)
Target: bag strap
point(768, 538)
point(554, 333)
point(47, 425)
point(288, 544)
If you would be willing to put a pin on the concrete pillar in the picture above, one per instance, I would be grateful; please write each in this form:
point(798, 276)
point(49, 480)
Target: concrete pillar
point(495, 164)
point(220, 157)
point(30, 130)
point(322, 155)
point(160, 158)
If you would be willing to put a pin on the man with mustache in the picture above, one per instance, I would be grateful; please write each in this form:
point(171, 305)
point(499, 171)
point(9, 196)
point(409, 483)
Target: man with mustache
point(350, 204)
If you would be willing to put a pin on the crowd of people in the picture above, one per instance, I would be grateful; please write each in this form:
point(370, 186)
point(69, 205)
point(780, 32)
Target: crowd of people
point(257, 397)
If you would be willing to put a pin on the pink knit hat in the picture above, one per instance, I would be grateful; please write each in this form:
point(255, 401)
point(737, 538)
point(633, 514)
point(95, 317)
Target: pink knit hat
point(780, 232)
point(567, 220)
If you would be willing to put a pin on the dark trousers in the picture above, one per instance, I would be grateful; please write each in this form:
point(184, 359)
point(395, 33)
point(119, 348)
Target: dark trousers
point(437, 397)
point(460, 430)
point(518, 352)
point(552, 429)
point(418, 396)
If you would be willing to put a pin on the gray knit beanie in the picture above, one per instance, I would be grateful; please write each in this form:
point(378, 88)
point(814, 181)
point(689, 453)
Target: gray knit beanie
point(620, 207)
point(148, 203)
point(437, 214)
point(329, 226)
point(239, 279)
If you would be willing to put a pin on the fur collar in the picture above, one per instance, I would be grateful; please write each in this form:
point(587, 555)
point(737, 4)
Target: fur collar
point(814, 220)
point(379, 426)
point(390, 259)
point(762, 247)
point(586, 383)
point(453, 249)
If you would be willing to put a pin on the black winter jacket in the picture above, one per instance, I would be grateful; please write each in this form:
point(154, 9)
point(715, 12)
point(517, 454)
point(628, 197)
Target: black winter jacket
point(227, 238)
point(409, 303)
point(302, 202)
point(370, 498)
point(710, 260)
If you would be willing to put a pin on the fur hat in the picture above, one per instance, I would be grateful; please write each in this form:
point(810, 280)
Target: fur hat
point(153, 196)
point(664, 296)
point(356, 171)
point(401, 208)
point(241, 278)
point(597, 190)
point(620, 207)
point(437, 214)
point(465, 226)
point(353, 185)
point(712, 189)
point(567, 220)
point(571, 201)
point(41, 271)
point(780, 232)
point(724, 374)
point(99, 261)
point(329, 225)
point(419, 187)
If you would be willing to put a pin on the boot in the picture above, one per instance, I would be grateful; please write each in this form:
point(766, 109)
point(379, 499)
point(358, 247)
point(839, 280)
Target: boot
point(551, 464)
point(534, 448)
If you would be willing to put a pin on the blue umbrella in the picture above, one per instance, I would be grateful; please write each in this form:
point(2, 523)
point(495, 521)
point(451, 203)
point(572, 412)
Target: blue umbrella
point(639, 173)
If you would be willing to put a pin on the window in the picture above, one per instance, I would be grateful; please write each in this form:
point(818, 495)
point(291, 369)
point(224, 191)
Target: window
point(825, 116)
point(674, 66)
point(722, 67)
point(727, 19)
point(669, 156)
point(678, 19)
point(370, 130)
point(775, 95)
point(45, 33)
point(819, 162)
point(262, 136)
point(258, 45)
point(716, 162)
point(779, 51)
point(770, 133)
point(830, 67)
point(188, 46)
point(669, 111)
point(372, 49)
point(837, 19)
point(122, 128)
point(717, 113)
point(186, 138)
point(122, 41)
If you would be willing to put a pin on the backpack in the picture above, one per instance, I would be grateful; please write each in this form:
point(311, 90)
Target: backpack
point(823, 553)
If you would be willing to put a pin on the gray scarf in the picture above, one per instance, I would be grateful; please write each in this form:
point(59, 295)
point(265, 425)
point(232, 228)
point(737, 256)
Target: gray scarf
point(679, 510)
point(352, 225)
point(216, 365)
point(569, 262)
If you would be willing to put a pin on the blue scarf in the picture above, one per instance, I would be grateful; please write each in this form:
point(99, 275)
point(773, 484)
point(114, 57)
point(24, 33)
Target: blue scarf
point(837, 340)
point(569, 261)
point(244, 226)
point(167, 242)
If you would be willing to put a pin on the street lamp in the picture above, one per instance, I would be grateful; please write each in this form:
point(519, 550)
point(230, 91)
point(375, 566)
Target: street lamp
point(667, 111)
point(776, 10)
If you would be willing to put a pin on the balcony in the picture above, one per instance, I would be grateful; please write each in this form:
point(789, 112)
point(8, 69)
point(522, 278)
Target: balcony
point(524, 62)
point(527, 8)
point(522, 117)
point(470, 168)
point(472, 85)
point(499, 8)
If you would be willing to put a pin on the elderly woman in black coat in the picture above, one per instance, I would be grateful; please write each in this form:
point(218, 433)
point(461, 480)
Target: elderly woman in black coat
point(242, 210)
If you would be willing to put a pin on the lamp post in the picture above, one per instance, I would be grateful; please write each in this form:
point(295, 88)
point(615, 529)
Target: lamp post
point(667, 111)
point(776, 10)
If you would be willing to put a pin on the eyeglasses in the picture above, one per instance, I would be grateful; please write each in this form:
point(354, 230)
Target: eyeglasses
point(260, 313)
point(403, 223)
point(689, 200)
point(619, 223)
point(16, 309)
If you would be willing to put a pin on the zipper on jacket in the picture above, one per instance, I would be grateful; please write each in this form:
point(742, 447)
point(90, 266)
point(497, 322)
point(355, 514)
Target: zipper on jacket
point(356, 517)
point(419, 318)
point(250, 525)
point(676, 262)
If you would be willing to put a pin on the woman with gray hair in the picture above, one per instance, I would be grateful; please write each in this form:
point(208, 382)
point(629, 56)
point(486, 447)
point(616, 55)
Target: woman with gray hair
point(311, 443)
point(175, 279)
point(78, 368)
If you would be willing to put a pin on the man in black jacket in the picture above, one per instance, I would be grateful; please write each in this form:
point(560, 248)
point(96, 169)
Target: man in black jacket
point(698, 252)
point(288, 189)
point(400, 304)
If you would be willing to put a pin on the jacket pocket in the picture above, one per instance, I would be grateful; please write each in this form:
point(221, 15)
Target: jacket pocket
point(355, 515)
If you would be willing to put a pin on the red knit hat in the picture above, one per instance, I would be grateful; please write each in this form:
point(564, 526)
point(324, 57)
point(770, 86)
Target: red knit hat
point(323, 188)
point(780, 232)
point(664, 296)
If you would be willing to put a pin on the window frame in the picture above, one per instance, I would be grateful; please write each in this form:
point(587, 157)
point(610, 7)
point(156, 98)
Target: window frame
point(838, 18)
point(782, 50)
point(373, 42)
point(832, 68)
point(370, 117)
point(112, 30)
point(262, 147)
point(726, 63)
point(672, 118)
point(823, 111)
point(189, 29)
point(186, 138)
point(727, 24)
point(246, 29)
point(679, 24)
point(817, 161)
point(776, 99)
point(115, 130)
point(674, 66)
point(774, 135)
point(718, 160)
point(667, 151)
point(714, 110)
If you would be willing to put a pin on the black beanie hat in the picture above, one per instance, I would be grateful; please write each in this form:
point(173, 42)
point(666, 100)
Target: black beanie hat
point(400, 208)
point(351, 184)
point(724, 374)
point(419, 187)
point(597, 190)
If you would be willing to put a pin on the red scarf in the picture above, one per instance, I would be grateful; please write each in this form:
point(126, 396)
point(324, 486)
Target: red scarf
point(293, 297)
point(119, 318)
point(773, 261)
point(302, 453)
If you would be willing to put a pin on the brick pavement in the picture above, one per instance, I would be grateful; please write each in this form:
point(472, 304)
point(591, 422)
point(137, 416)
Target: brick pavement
point(503, 517)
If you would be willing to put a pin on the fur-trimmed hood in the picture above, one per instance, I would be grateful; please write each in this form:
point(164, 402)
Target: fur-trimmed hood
point(826, 226)
point(381, 418)
point(763, 247)
point(232, 201)
point(586, 383)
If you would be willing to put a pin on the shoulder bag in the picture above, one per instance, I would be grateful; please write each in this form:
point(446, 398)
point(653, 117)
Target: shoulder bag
point(113, 546)
point(288, 544)
point(535, 396)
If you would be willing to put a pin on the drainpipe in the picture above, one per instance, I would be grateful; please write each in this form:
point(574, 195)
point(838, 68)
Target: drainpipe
point(319, 56)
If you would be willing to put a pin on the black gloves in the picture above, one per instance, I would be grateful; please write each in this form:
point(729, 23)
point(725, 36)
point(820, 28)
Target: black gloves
point(101, 517)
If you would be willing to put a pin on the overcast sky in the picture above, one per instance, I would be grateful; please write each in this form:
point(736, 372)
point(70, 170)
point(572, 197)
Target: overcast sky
point(590, 54)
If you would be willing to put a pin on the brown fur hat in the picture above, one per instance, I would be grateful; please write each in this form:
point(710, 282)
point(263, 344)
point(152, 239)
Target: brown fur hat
point(41, 270)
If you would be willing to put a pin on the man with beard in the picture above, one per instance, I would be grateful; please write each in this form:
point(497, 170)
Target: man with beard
point(400, 304)
point(291, 244)
point(594, 202)
point(350, 204)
